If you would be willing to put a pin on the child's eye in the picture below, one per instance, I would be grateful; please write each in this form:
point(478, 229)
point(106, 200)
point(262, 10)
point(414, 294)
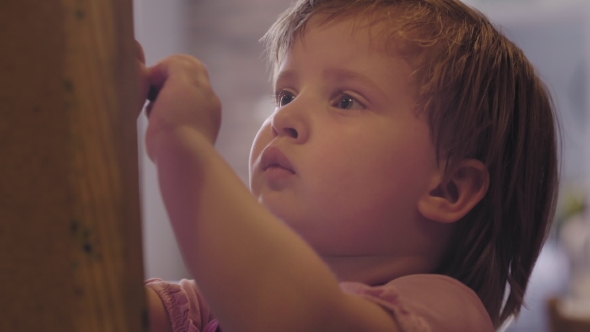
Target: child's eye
point(348, 103)
point(283, 98)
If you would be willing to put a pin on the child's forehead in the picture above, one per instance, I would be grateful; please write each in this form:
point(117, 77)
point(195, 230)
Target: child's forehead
point(375, 31)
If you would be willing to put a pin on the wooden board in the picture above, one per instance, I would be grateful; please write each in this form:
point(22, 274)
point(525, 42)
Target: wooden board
point(70, 234)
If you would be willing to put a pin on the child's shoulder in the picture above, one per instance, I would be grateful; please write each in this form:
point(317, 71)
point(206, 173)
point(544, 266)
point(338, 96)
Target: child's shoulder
point(186, 308)
point(427, 302)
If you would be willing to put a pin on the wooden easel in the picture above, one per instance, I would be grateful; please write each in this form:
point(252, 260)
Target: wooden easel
point(70, 237)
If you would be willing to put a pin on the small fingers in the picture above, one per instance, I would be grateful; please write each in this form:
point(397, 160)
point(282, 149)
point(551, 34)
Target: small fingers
point(139, 52)
point(176, 69)
point(179, 66)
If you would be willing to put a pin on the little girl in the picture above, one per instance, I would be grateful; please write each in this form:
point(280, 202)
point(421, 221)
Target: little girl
point(406, 178)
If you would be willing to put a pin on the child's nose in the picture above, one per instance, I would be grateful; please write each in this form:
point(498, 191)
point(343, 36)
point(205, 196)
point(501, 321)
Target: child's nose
point(290, 132)
point(290, 123)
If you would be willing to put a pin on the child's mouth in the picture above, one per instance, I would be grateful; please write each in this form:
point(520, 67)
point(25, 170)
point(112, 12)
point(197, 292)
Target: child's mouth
point(274, 160)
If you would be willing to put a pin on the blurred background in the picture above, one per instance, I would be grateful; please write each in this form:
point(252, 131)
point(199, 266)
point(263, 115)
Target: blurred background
point(224, 35)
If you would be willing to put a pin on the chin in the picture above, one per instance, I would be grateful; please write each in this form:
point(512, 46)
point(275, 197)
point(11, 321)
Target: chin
point(275, 208)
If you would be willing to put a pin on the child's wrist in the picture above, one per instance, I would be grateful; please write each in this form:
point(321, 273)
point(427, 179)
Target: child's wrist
point(178, 138)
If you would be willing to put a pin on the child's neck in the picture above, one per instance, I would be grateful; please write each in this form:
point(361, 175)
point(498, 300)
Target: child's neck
point(376, 270)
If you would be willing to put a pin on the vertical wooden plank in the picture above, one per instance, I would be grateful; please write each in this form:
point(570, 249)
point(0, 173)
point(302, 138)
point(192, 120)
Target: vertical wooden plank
point(70, 237)
point(34, 208)
point(100, 64)
point(101, 96)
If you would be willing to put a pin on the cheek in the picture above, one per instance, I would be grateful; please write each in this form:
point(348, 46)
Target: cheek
point(263, 137)
point(372, 174)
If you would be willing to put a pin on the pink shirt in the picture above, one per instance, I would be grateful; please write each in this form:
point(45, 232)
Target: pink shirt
point(421, 302)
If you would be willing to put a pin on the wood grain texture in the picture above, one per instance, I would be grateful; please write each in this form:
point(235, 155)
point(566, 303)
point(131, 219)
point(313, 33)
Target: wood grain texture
point(70, 235)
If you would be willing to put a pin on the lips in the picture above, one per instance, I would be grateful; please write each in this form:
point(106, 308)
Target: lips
point(272, 157)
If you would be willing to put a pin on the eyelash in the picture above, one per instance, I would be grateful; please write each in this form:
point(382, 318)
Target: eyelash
point(279, 95)
point(340, 96)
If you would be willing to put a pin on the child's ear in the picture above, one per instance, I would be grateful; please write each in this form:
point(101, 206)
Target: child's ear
point(451, 197)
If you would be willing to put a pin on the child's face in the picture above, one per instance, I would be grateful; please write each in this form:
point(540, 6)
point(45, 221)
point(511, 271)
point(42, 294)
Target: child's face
point(344, 159)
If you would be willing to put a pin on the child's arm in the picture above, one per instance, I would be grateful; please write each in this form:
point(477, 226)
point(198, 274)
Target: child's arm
point(256, 274)
point(158, 316)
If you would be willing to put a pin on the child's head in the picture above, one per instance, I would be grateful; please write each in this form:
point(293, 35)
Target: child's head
point(483, 107)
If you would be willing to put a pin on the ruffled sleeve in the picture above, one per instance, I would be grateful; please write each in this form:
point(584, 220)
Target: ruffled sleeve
point(186, 308)
point(427, 303)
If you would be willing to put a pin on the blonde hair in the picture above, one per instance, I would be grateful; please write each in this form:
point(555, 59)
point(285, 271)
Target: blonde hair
point(483, 100)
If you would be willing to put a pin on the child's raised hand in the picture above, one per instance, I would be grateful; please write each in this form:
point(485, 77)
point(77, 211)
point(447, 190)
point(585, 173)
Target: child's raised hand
point(184, 100)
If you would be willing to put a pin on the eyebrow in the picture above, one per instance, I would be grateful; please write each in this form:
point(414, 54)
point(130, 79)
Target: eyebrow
point(286, 75)
point(333, 74)
point(343, 75)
